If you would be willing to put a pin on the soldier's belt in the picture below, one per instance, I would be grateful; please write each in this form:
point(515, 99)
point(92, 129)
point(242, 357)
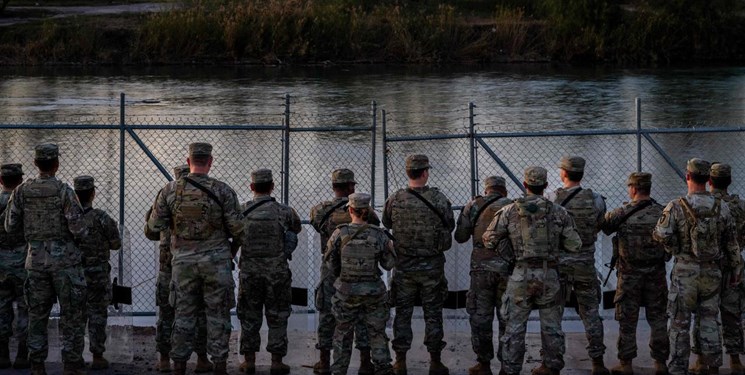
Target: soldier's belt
point(701, 263)
point(537, 264)
point(645, 264)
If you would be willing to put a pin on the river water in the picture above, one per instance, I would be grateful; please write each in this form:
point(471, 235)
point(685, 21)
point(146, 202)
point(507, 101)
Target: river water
point(418, 101)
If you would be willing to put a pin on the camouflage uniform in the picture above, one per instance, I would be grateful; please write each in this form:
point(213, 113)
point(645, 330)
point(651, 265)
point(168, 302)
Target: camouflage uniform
point(489, 271)
point(696, 276)
point(421, 240)
point(49, 214)
point(103, 235)
point(166, 313)
point(12, 273)
point(578, 270)
point(201, 257)
point(353, 255)
point(335, 213)
point(641, 273)
point(265, 277)
point(537, 230)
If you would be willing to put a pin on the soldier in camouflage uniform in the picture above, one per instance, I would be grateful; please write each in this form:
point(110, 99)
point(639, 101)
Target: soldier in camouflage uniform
point(103, 235)
point(325, 217)
point(353, 254)
point(641, 274)
point(12, 277)
point(203, 214)
point(489, 272)
point(731, 299)
point(166, 313)
point(699, 231)
point(47, 211)
point(270, 232)
point(421, 218)
point(538, 231)
point(578, 270)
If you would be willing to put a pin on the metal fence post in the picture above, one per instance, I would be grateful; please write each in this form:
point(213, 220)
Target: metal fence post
point(472, 139)
point(638, 134)
point(122, 131)
point(286, 154)
point(374, 106)
point(385, 158)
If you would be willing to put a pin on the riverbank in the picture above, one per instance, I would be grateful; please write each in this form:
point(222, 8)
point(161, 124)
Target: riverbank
point(278, 32)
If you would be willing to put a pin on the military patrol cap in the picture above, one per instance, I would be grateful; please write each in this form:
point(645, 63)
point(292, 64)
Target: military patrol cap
point(181, 171)
point(698, 166)
point(721, 170)
point(536, 176)
point(417, 161)
point(359, 200)
point(572, 164)
point(640, 179)
point(494, 181)
point(46, 151)
point(200, 149)
point(8, 170)
point(261, 175)
point(342, 175)
point(83, 183)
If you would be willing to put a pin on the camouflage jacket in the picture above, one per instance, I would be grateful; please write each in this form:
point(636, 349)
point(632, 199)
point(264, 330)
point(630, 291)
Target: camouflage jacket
point(636, 249)
point(587, 209)
point(354, 261)
point(202, 226)
point(103, 235)
point(340, 215)
point(264, 229)
point(12, 245)
point(421, 236)
point(736, 209)
point(49, 233)
point(482, 259)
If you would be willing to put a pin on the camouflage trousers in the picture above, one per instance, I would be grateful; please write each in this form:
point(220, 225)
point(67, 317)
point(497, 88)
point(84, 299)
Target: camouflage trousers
point(166, 314)
point(11, 290)
point(581, 277)
point(97, 305)
point(695, 289)
point(42, 290)
point(432, 288)
point(207, 284)
point(326, 321)
point(648, 289)
point(484, 296)
point(350, 311)
point(528, 288)
point(267, 293)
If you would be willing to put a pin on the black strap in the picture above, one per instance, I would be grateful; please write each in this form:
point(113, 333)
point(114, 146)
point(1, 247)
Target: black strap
point(87, 210)
point(431, 207)
point(329, 212)
point(636, 209)
point(483, 208)
point(214, 198)
point(570, 197)
point(354, 235)
point(257, 205)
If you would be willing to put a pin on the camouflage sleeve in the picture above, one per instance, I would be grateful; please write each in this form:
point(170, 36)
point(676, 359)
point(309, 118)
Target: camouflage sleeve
point(160, 219)
point(498, 228)
point(111, 230)
point(315, 217)
point(332, 258)
point(449, 215)
point(464, 228)
point(569, 239)
point(232, 214)
point(149, 234)
point(610, 222)
point(665, 231)
point(600, 209)
point(14, 212)
point(293, 221)
point(740, 222)
point(387, 257)
point(372, 218)
point(73, 213)
point(731, 248)
point(387, 221)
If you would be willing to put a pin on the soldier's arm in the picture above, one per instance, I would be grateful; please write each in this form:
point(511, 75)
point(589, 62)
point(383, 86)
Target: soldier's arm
point(14, 213)
point(111, 230)
point(73, 213)
point(609, 225)
point(497, 229)
point(295, 225)
point(232, 215)
point(388, 255)
point(387, 212)
point(464, 227)
point(160, 217)
point(315, 218)
point(449, 215)
point(731, 247)
point(569, 238)
point(600, 210)
point(666, 228)
point(372, 217)
point(332, 257)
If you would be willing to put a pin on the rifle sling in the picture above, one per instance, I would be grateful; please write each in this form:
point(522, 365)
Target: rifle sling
point(257, 205)
point(430, 206)
point(213, 197)
point(485, 206)
point(354, 235)
point(636, 209)
point(328, 213)
point(570, 197)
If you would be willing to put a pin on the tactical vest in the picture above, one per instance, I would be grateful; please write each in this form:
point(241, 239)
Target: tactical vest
point(482, 223)
point(43, 215)
point(533, 240)
point(582, 209)
point(704, 230)
point(635, 242)
point(8, 241)
point(266, 232)
point(419, 231)
point(196, 217)
point(358, 263)
point(735, 209)
point(338, 217)
point(94, 246)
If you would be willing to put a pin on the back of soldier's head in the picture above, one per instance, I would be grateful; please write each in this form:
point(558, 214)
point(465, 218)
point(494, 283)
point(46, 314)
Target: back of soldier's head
point(574, 166)
point(85, 188)
point(721, 175)
point(11, 175)
point(46, 157)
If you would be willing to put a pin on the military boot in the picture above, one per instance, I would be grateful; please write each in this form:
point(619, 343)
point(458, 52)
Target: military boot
point(22, 356)
point(323, 366)
point(164, 365)
point(399, 367)
point(481, 368)
point(4, 355)
point(435, 365)
point(73, 368)
point(37, 368)
point(99, 362)
point(623, 368)
point(366, 365)
point(735, 365)
point(598, 367)
point(543, 370)
point(249, 363)
point(203, 364)
point(221, 368)
point(278, 368)
point(179, 367)
point(699, 367)
point(660, 368)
